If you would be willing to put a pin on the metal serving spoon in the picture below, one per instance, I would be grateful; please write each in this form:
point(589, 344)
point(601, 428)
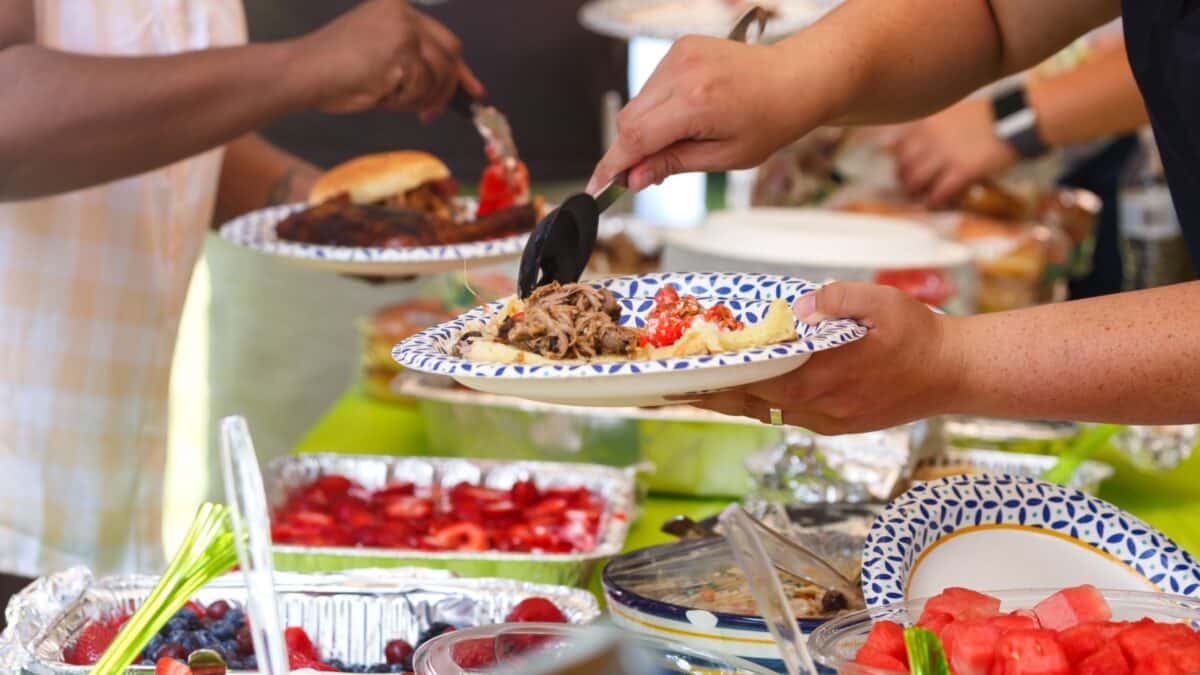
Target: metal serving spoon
point(562, 242)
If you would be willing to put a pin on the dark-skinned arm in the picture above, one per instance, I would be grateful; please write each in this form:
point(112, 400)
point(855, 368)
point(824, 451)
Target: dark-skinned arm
point(69, 120)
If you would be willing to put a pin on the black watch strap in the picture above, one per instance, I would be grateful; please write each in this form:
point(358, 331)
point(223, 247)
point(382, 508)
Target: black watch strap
point(1016, 124)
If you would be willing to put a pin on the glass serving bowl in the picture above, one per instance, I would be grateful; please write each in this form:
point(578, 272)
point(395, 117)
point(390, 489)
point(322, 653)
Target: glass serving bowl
point(555, 648)
point(836, 642)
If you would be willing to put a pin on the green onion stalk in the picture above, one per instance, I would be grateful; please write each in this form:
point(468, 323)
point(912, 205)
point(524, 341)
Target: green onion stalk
point(206, 553)
point(925, 653)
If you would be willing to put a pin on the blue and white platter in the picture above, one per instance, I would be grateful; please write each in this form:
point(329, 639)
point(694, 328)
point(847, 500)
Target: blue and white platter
point(641, 383)
point(997, 532)
point(256, 231)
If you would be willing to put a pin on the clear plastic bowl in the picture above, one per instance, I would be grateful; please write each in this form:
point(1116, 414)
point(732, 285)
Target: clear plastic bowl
point(556, 647)
point(835, 643)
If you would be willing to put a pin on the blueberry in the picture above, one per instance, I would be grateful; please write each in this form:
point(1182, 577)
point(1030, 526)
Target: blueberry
point(337, 663)
point(399, 667)
point(223, 629)
point(435, 629)
point(237, 616)
point(380, 668)
point(228, 649)
point(192, 621)
point(175, 625)
point(250, 662)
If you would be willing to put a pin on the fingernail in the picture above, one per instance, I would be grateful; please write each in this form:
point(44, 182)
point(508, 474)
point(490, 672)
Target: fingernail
point(805, 309)
point(593, 185)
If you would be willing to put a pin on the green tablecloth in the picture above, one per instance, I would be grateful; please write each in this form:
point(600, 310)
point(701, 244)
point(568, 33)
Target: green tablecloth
point(358, 424)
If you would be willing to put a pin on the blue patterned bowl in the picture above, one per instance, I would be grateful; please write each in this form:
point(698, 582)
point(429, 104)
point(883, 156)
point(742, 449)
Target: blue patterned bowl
point(997, 532)
point(641, 383)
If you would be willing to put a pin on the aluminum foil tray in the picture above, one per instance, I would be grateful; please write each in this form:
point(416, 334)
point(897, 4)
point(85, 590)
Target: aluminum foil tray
point(698, 453)
point(1087, 477)
point(349, 616)
point(616, 485)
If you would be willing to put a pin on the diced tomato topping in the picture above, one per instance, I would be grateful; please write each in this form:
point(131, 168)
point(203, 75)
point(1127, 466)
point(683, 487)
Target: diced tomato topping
point(495, 192)
point(1072, 606)
point(666, 296)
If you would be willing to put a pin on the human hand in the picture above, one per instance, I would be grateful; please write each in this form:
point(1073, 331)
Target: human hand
point(907, 367)
point(711, 104)
point(383, 53)
point(940, 156)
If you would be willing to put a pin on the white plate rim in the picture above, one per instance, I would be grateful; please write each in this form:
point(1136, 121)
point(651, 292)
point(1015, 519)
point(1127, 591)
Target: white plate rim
point(256, 231)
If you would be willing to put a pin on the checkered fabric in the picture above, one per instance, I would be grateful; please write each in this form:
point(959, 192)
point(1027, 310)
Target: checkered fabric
point(92, 285)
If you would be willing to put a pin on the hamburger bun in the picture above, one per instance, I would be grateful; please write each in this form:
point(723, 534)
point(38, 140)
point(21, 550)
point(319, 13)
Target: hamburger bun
point(372, 178)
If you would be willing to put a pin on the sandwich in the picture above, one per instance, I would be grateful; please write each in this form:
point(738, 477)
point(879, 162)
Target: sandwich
point(396, 200)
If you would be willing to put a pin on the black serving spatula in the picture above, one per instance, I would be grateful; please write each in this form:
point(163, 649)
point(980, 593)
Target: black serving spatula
point(562, 242)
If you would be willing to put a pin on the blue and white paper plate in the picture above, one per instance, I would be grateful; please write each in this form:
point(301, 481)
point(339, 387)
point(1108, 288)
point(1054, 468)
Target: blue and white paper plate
point(640, 383)
point(993, 533)
point(256, 231)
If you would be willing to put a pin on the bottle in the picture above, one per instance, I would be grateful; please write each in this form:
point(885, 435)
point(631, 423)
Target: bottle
point(1153, 250)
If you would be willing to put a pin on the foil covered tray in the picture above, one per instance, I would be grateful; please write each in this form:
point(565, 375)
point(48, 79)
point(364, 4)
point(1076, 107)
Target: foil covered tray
point(349, 616)
point(699, 453)
point(1087, 477)
point(615, 485)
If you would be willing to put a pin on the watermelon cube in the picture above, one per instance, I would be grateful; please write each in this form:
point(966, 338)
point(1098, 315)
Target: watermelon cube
point(1072, 606)
point(887, 637)
point(1107, 660)
point(1030, 652)
point(963, 604)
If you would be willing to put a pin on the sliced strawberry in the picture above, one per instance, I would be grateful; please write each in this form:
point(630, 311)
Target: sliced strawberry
point(462, 537)
point(169, 666)
point(408, 508)
point(475, 654)
point(95, 637)
point(299, 643)
point(524, 493)
point(536, 610)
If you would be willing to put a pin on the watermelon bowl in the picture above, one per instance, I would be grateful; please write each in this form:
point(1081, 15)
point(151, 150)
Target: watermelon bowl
point(835, 644)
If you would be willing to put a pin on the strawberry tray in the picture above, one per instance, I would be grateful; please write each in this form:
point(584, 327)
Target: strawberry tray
point(437, 478)
point(350, 616)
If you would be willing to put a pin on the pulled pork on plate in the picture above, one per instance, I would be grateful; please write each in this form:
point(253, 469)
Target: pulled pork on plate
point(579, 322)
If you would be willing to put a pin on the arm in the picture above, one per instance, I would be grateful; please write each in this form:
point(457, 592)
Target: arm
point(941, 155)
point(866, 62)
point(256, 174)
point(1097, 99)
point(68, 120)
point(1131, 357)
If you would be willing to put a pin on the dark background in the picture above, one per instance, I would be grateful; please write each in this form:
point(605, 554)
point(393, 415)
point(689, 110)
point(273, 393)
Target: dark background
point(540, 67)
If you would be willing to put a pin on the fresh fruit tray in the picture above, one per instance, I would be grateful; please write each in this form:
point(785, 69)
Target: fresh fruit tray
point(356, 620)
point(534, 521)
